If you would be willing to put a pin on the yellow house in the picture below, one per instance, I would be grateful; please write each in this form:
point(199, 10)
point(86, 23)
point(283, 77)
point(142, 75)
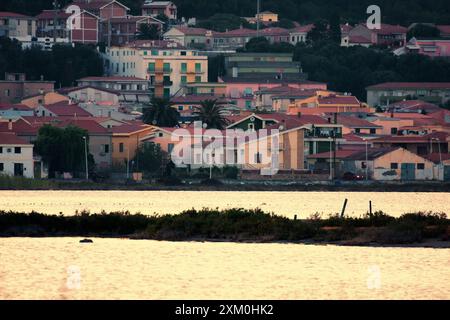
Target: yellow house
point(125, 141)
point(262, 154)
point(267, 16)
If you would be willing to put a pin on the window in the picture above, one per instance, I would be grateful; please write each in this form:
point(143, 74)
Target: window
point(373, 131)
point(170, 147)
point(2, 167)
point(151, 67)
point(7, 93)
point(183, 53)
point(394, 165)
point(183, 79)
point(180, 108)
point(160, 134)
point(184, 67)
point(166, 67)
point(1, 149)
point(106, 148)
point(198, 67)
point(198, 79)
point(258, 158)
point(363, 165)
point(17, 150)
point(166, 93)
point(394, 130)
point(421, 166)
point(357, 130)
point(121, 147)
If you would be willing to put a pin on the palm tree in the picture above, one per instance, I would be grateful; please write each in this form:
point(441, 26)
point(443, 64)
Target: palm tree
point(160, 113)
point(212, 113)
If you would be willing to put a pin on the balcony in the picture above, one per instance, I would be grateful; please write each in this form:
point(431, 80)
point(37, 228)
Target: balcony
point(160, 70)
point(192, 72)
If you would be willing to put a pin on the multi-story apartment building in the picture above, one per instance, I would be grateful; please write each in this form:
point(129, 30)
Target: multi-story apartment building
point(387, 35)
point(46, 26)
point(384, 94)
point(16, 87)
point(15, 25)
point(167, 66)
point(155, 8)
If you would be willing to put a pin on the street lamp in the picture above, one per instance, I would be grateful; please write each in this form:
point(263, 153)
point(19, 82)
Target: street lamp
point(367, 159)
point(86, 157)
point(331, 158)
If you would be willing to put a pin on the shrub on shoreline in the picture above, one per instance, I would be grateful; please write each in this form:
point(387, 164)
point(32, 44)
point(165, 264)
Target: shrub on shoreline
point(229, 224)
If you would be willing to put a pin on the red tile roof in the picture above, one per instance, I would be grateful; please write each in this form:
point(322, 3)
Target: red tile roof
point(359, 39)
point(129, 128)
point(20, 127)
point(410, 85)
point(441, 136)
point(197, 98)
point(111, 79)
point(340, 154)
point(19, 107)
point(66, 110)
point(243, 32)
point(387, 29)
point(354, 122)
point(274, 32)
point(302, 29)
point(192, 31)
point(50, 14)
point(444, 28)
point(73, 89)
point(11, 139)
point(92, 126)
point(346, 100)
point(7, 14)
point(437, 157)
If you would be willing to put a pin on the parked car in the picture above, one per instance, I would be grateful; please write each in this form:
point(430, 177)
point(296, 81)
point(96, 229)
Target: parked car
point(350, 176)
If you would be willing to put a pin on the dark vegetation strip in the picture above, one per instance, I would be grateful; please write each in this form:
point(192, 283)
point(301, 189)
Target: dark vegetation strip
point(232, 225)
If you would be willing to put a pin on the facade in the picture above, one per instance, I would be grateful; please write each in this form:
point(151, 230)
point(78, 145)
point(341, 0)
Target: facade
point(14, 25)
point(241, 91)
point(429, 47)
point(267, 16)
point(16, 156)
point(131, 89)
point(43, 99)
point(46, 26)
point(390, 92)
point(263, 65)
point(299, 34)
point(91, 94)
point(15, 88)
point(166, 66)
point(392, 164)
point(327, 102)
point(387, 35)
point(125, 142)
point(195, 38)
point(85, 28)
point(155, 8)
point(123, 30)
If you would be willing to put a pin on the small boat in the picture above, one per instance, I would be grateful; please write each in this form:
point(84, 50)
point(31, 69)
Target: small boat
point(86, 241)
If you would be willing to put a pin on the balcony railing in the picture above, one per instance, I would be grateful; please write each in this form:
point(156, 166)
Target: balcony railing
point(160, 70)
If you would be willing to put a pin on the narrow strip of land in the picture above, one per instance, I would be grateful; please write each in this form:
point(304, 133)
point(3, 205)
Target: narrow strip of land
point(237, 225)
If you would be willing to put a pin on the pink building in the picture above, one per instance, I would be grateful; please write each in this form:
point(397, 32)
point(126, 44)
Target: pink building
point(104, 9)
point(431, 48)
point(241, 91)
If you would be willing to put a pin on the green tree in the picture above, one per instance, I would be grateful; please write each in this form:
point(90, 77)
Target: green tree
point(213, 114)
point(222, 22)
point(423, 31)
point(161, 113)
point(62, 149)
point(149, 32)
point(149, 158)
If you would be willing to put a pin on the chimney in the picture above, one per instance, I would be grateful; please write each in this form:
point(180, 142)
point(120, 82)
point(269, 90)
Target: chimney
point(10, 125)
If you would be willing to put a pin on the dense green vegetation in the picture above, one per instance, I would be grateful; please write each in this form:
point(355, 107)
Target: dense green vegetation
point(212, 114)
point(160, 113)
point(64, 64)
point(232, 225)
point(63, 149)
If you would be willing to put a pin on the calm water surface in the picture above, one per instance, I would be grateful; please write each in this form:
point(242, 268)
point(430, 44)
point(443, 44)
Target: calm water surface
point(284, 203)
point(62, 268)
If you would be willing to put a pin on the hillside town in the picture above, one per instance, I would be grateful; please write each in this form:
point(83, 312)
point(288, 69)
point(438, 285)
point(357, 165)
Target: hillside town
point(154, 93)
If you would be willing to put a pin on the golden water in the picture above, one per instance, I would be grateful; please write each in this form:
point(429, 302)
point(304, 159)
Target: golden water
point(44, 268)
point(284, 203)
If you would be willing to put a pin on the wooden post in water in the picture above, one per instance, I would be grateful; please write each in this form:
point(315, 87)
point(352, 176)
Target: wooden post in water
point(370, 207)
point(343, 208)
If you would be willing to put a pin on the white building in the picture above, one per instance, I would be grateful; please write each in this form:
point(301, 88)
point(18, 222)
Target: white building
point(16, 156)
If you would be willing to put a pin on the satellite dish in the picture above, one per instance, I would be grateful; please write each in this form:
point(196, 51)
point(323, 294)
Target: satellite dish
point(154, 122)
point(205, 125)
